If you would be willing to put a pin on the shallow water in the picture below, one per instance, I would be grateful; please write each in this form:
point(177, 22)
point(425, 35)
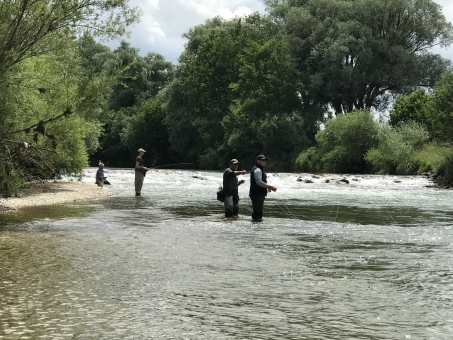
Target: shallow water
point(371, 259)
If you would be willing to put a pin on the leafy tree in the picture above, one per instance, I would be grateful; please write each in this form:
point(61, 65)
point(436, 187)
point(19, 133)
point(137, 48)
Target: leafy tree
point(268, 116)
point(411, 107)
point(396, 149)
point(139, 79)
point(200, 96)
point(36, 28)
point(441, 111)
point(146, 129)
point(352, 54)
point(342, 144)
point(49, 103)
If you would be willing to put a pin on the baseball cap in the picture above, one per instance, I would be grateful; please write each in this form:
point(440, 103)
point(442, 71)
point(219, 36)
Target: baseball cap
point(141, 150)
point(234, 161)
point(261, 158)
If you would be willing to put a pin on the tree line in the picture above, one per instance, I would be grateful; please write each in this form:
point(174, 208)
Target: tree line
point(302, 84)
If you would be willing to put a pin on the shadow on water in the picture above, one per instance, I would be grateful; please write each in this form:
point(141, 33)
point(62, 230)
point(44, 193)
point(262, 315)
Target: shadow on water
point(53, 212)
point(326, 213)
point(351, 214)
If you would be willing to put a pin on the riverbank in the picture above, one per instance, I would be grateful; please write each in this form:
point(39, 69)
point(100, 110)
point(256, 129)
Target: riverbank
point(53, 192)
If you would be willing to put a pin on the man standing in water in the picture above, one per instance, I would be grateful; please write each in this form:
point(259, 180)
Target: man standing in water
point(230, 188)
point(259, 187)
point(140, 172)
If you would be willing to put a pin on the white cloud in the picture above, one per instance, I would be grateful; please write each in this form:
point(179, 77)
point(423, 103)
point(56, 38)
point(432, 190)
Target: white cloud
point(165, 21)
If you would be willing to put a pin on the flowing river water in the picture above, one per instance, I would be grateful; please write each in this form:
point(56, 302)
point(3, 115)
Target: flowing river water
point(372, 259)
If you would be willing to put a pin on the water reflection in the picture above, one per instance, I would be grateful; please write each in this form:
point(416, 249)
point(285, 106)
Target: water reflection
point(168, 266)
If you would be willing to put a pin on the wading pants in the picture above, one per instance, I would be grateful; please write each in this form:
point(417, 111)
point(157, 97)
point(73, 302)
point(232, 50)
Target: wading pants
point(139, 177)
point(258, 207)
point(231, 205)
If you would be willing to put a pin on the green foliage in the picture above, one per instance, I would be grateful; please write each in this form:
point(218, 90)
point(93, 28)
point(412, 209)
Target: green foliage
point(45, 27)
point(411, 107)
point(309, 160)
point(395, 153)
point(354, 53)
point(146, 129)
point(345, 140)
point(268, 116)
point(442, 109)
point(51, 99)
point(445, 171)
point(201, 96)
point(431, 157)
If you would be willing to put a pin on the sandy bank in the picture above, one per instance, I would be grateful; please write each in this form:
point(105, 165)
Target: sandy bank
point(54, 192)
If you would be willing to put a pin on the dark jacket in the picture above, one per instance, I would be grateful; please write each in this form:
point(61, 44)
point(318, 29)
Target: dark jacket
point(255, 189)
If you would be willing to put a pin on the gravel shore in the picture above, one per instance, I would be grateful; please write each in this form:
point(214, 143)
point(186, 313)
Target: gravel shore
point(53, 192)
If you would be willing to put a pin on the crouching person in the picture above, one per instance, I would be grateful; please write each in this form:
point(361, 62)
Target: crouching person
point(230, 188)
point(100, 175)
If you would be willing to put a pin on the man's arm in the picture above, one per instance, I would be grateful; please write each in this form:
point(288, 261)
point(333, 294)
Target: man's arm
point(258, 174)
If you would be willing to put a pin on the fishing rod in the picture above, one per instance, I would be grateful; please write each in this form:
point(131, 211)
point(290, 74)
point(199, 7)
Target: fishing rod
point(161, 166)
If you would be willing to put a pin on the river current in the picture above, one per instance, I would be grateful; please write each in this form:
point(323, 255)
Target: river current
point(372, 259)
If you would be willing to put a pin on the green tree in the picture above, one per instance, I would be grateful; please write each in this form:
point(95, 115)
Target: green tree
point(200, 95)
point(397, 148)
point(441, 111)
point(49, 101)
point(138, 79)
point(411, 107)
point(268, 116)
point(353, 54)
point(146, 129)
point(342, 144)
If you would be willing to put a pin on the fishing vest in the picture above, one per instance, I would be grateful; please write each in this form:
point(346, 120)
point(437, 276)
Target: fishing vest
point(255, 189)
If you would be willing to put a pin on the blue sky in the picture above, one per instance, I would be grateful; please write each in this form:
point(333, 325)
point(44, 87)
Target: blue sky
point(164, 21)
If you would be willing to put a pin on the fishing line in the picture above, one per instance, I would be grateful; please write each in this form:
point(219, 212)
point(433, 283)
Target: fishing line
point(388, 212)
point(161, 166)
point(338, 208)
point(287, 212)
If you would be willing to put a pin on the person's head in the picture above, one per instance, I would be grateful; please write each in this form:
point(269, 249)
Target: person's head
point(234, 163)
point(261, 160)
point(141, 152)
point(101, 165)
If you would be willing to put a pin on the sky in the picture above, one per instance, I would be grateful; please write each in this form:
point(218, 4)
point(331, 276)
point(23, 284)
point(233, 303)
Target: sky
point(164, 22)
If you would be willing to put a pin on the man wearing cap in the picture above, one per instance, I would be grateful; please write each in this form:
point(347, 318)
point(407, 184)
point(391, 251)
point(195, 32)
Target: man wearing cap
point(100, 175)
point(259, 187)
point(230, 188)
point(140, 171)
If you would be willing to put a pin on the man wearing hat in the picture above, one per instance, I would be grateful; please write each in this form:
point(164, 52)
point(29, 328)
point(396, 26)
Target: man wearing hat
point(259, 187)
point(140, 171)
point(230, 188)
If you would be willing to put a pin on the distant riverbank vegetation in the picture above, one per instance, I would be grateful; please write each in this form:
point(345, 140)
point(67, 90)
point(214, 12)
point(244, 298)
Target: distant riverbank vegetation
point(316, 85)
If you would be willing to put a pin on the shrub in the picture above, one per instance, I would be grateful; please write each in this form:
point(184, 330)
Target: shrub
point(396, 149)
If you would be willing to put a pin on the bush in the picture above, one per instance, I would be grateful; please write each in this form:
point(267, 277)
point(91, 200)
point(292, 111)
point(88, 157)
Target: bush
point(431, 157)
point(396, 149)
point(345, 141)
point(445, 171)
point(309, 160)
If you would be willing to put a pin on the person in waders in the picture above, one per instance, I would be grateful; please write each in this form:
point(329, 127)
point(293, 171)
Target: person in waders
point(230, 188)
point(259, 187)
point(140, 172)
point(100, 175)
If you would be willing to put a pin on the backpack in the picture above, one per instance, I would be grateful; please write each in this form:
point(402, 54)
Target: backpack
point(220, 194)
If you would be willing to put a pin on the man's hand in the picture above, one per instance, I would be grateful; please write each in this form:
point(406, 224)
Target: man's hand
point(241, 181)
point(272, 188)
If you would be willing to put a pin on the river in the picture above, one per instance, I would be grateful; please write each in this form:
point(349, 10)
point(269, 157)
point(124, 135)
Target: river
point(372, 259)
